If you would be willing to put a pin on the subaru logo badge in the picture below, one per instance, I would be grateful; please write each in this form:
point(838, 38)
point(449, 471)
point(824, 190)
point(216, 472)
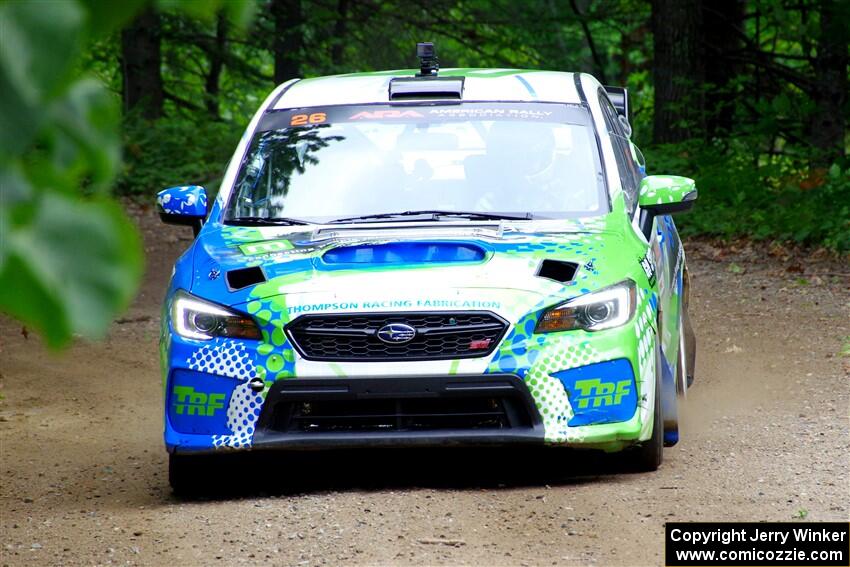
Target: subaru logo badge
point(396, 333)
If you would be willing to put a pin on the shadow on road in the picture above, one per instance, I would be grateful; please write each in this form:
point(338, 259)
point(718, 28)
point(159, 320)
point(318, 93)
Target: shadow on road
point(282, 473)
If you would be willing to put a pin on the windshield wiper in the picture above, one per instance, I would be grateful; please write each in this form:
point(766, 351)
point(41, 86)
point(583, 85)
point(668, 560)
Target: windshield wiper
point(265, 221)
point(435, 215)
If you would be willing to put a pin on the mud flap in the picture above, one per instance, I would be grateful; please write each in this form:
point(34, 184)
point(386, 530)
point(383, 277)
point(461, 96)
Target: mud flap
point(690, 347)
point(687, 328)
point(669, 404)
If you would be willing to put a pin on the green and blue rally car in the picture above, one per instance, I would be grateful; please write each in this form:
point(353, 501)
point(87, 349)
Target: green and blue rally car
point(429, 257)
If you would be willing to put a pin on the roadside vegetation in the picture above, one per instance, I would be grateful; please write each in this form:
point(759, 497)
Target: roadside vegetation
point(752, 102)
point(749, 97)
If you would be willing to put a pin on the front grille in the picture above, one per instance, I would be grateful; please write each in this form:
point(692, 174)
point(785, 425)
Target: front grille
point(423, 414)
point(439, 335)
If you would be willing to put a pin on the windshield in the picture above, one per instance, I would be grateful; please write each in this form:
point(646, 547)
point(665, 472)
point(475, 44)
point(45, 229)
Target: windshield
point(345, 162)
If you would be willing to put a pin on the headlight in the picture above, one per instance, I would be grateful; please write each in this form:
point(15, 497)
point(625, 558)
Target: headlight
point(604, 309)
point(194, 318)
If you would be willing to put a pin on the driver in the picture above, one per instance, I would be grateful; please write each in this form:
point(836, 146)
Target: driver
point(520, 169)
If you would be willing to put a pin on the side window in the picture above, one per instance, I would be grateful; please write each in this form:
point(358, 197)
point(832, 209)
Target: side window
point(630, 174)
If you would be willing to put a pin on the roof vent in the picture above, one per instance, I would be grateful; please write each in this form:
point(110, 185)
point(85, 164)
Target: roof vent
point(426, 88)
point(426, 85)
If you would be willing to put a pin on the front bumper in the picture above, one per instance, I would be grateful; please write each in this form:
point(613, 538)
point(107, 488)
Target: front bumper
point(573, 388)
point(389, 411)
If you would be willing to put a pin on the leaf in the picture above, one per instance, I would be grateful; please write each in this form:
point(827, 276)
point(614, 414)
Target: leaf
point(38, 45)
point(86, 131)
point(71, 269)
point(15, 192)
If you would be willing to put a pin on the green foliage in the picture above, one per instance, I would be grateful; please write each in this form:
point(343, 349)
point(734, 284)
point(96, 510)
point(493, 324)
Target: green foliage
point(71, 267)
point(241, 12)
point(70, 259)
point(750, 176)
point(744, 194)
point(175, 151)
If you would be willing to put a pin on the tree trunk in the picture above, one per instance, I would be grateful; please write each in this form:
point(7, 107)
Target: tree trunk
point(830, 94)
point(289, 38)
point(340, 27)
point(140, 55)
point(598, 65)
point(216, 54)
point(723, 24)
point(677, 70)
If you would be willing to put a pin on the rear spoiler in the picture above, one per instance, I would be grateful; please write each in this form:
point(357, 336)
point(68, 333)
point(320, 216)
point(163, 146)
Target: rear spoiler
point(620, 99)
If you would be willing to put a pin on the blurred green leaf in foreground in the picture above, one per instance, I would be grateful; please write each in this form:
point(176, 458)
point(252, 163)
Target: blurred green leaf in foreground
point(70, 258)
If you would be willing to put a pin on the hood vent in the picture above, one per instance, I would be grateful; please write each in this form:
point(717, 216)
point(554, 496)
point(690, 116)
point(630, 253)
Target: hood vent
point(244, 277)
point(558, 271)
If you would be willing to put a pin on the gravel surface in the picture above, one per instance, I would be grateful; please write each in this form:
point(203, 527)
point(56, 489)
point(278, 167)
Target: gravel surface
point(765, 437)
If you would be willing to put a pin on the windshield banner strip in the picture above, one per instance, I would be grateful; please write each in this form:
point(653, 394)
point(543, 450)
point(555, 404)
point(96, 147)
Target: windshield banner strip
point(531, 112)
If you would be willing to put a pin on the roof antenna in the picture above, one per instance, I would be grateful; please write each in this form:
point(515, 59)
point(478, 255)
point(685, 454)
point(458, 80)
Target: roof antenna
point(429, 65)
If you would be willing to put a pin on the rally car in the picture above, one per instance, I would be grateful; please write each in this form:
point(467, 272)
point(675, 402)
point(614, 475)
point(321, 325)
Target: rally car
point(429, 257)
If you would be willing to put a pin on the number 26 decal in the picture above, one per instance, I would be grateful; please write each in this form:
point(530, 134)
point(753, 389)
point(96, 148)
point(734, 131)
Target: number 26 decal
point(302, 119)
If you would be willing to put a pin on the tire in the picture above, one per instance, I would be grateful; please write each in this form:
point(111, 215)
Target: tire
point(648, 456)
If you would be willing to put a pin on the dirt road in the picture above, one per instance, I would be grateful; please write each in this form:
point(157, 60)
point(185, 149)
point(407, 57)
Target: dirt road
point(765, 437)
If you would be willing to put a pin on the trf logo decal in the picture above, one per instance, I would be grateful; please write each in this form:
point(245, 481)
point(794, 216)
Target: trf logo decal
point(189, 402)
point(603, 392)
point(596, 393)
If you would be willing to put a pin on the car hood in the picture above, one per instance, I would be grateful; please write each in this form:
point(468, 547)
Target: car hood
point(402, 266)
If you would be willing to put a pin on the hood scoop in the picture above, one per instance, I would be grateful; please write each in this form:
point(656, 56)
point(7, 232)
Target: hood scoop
point(244, 277)
point(558, 271)
point(405, 253)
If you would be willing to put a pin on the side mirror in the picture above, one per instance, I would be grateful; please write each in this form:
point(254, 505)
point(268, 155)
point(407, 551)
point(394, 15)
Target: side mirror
point(664, 195)
point(186, 205)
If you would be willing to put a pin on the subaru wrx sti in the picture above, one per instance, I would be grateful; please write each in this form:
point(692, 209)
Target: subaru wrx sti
point(429, 257)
